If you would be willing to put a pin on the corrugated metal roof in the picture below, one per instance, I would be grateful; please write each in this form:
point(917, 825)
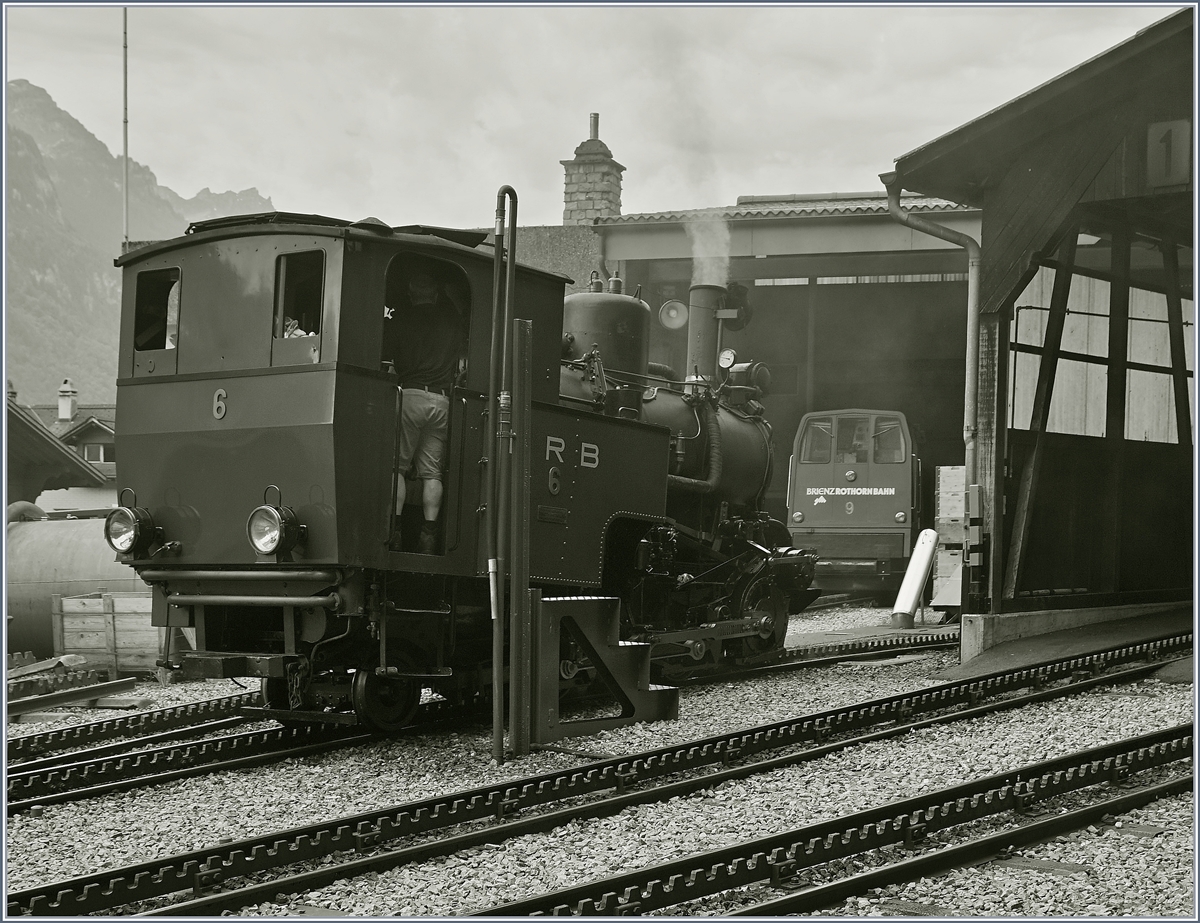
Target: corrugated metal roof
point(791, 206)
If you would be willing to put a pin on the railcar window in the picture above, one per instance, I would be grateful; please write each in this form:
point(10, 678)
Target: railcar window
point(299, 294)
point(816, 447)
point(156, 310)
point(889, 441)
point(853, 442)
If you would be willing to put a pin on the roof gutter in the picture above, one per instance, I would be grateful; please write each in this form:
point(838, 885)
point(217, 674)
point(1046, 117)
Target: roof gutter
point(971, 392)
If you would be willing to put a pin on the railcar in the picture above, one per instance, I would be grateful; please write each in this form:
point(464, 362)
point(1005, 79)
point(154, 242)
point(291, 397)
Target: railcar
point(258, 420)
point(855, 498)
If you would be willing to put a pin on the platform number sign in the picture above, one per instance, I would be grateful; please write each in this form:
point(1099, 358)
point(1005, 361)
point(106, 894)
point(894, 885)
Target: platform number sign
point(1169, 153)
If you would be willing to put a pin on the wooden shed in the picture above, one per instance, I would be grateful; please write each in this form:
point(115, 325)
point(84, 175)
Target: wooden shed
point(1086, 328)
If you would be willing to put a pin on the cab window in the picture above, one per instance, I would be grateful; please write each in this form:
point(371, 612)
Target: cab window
point(889, 441)
point(299, 286)
point(299, 301)
point(817, 443)
point(156, 312)
point(853, 440)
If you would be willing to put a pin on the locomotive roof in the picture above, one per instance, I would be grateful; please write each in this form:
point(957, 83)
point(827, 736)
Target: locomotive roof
point(296, 223)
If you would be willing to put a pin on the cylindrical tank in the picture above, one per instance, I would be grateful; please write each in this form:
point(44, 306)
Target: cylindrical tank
point(65, 557)
point(745, 445)
point(618, 324)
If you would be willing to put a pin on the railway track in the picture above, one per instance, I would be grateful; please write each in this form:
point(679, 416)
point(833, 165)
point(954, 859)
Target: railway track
point(494, 810)
point(129, 763)
point(972, 852)
point(815, 655)
point(90, 775)
point(779, 858)
point(141, 724)
point(123, 766)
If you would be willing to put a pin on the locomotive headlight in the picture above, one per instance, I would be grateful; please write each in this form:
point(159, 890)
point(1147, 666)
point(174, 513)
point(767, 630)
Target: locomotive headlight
point(902, 517)
point(128, 529)
point(272, 529)
point(797, 516)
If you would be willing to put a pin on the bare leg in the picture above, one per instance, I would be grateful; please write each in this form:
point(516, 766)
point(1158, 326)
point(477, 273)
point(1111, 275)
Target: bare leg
point(431, 499)
point(401, 489)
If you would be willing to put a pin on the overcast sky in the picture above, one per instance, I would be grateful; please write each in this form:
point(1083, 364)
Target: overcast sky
point(417, 114)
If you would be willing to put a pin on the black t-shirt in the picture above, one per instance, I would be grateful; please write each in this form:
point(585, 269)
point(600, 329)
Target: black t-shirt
point(424, 342)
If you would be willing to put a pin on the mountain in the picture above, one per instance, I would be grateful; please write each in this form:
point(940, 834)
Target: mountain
point(64, 230)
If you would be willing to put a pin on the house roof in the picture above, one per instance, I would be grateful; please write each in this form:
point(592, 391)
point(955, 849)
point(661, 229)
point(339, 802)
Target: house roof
point(104, 415)
point(819, 205)
point(32, 444)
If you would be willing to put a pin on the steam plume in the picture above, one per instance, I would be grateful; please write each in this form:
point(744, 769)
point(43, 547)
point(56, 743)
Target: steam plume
point(709, 235)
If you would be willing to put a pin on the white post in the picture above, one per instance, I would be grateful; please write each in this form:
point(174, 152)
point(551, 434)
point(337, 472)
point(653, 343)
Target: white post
point(913, 587)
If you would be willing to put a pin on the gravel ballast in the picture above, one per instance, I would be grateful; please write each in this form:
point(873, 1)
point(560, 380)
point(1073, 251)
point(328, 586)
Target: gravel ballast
point(76, 839)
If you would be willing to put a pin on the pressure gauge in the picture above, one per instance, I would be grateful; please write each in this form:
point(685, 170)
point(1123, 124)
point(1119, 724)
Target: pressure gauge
point(726, 359)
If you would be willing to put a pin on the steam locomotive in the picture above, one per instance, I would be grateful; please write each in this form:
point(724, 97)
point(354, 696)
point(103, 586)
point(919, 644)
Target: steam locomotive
point(258, 422)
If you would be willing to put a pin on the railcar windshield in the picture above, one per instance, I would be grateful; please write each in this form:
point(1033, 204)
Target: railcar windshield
point(816, 446)
point(889, 441)
point(853, 442)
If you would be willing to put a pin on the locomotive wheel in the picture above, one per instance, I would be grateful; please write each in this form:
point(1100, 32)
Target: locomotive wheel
point(384, 704)
point(274, 691)
point(764, 596)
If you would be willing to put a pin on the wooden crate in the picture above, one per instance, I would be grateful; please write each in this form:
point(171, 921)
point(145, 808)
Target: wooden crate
point(950, 501)
point(112, 630)
point(944, 565)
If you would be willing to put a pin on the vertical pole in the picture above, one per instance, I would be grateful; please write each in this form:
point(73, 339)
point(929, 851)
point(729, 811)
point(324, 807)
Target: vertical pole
point(519, 609)
point(494, 523)
point(125, 125)
point(810, 361)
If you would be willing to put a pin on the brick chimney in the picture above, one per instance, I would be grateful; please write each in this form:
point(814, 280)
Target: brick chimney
point(593, 184)
point(67, 403)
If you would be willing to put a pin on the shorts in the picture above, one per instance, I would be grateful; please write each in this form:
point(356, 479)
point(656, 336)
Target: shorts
point(423, 419)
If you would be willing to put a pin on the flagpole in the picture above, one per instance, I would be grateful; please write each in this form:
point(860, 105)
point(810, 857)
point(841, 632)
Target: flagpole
point(125, 125)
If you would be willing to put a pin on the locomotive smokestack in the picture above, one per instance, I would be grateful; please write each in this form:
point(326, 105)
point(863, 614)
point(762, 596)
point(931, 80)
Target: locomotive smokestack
point(703, 303)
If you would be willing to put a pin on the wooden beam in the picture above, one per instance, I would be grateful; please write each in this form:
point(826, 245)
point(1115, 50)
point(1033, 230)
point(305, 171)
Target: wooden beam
point(1102, 360)
point(1179, 374)
point(1042, 397)
point(1114, 414)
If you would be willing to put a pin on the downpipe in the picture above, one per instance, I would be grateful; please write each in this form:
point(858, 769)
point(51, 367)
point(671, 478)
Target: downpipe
point(971, 391)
